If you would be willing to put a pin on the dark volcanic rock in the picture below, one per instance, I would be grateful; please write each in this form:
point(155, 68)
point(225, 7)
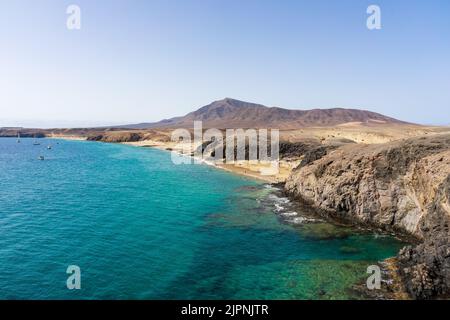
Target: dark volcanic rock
point(116, 137)
point(297, 149)
point(315, 154)
point(400, 186)
point(308, 151)
point(426, 267)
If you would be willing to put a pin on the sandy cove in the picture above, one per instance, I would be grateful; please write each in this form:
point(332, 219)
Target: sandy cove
point(252, 169)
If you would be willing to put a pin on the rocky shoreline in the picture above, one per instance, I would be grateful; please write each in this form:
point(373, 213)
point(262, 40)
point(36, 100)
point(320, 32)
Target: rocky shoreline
point(413, 273)
point(403, 187)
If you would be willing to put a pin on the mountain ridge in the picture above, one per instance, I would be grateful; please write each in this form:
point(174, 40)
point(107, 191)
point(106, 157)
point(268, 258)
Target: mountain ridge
point(233, 113)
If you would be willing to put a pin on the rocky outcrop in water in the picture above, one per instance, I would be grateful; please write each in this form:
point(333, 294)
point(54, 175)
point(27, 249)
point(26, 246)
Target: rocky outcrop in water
point(402, 186)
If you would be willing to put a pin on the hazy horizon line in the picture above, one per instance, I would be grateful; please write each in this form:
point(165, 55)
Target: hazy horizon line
point(75, 124)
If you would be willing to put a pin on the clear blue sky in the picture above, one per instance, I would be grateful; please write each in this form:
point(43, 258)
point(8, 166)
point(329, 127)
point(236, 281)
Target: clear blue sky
point(136, 61)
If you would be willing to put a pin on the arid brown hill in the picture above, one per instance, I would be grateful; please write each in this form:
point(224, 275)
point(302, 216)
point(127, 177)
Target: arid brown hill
point(231, 113)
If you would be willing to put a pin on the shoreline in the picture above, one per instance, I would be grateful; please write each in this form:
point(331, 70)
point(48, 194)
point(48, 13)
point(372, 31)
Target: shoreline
point(67, 137)
point(393, 285)
point(246, 169)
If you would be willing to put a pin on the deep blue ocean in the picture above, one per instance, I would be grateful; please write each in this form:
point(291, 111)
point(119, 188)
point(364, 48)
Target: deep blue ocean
point(140, 227)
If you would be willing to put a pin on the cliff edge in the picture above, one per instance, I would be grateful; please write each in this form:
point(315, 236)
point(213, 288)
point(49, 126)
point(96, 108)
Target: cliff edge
point(402, 186)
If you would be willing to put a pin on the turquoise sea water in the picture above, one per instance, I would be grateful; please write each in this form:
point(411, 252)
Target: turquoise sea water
point(140, 227)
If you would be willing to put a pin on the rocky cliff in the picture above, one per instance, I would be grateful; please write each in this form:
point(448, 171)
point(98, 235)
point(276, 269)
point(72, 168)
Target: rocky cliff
point(127, 136)
point(402, 186)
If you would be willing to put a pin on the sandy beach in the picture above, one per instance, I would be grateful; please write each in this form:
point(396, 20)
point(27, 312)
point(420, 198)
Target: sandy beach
point(67, 137)
point(252, 169)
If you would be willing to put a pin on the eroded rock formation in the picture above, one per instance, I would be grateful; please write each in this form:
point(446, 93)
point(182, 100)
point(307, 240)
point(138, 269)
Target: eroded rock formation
point(402, 186)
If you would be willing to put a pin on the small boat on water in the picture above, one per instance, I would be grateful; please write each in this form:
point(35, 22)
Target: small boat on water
point(36, 143)
point(18, 137)
point(41, 158)
point(49, 147)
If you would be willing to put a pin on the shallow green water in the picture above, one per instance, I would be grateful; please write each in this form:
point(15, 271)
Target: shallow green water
point(140, 227)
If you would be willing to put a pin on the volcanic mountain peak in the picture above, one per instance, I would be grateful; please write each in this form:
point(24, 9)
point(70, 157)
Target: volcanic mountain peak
point(232, 113)
point(226, 105)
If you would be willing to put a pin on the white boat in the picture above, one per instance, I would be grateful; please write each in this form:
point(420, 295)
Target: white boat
point(49, 147)
point(41, 158)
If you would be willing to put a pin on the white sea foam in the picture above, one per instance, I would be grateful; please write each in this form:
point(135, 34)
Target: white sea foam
point(279, 202)
point(301, 220)
point(278, 207)
point(289, 214)
point(278, 199)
